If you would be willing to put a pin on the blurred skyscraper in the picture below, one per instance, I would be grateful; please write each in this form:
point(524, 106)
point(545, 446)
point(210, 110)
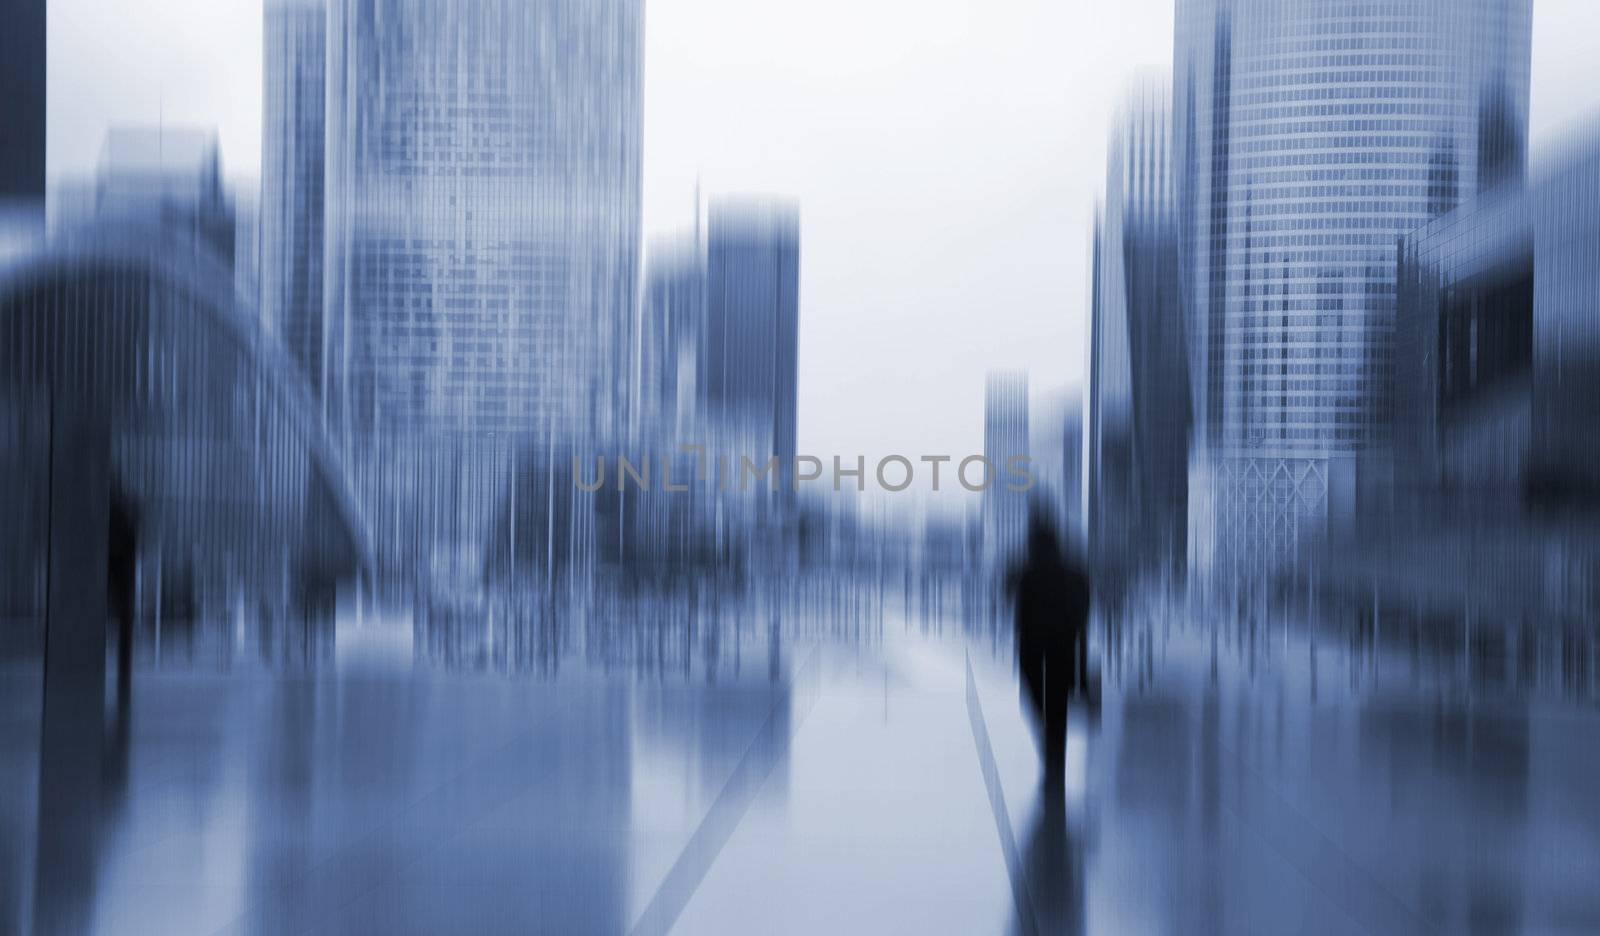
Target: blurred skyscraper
point(1498, 315)
point(1055, 434)
point(22, 120)
point(1495, 488)
point(157, 177)
point(1465, 324)
point(671, 334)
point(482, 239)
point(1005, 435)
point(749, 377)
point(1310, 136)
point(483, 188)
point(717, 367)
point(669, 531)
point(246, 207)
point(1139, 392)
point(293, 175)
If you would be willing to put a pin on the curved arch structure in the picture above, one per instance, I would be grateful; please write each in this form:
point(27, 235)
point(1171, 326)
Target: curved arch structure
point(213, 431)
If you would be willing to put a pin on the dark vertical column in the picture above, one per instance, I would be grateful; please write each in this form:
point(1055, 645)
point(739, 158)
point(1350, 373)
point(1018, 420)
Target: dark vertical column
point(22, 99)
point(71, 759)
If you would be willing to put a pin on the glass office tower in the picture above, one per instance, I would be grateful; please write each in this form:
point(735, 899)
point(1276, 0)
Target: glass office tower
point(482, 228)
point(483, 219)
point(293, 138)
point(1311, 135)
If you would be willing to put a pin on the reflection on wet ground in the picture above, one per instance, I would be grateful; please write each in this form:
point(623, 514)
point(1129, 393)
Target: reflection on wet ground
point(835, 760)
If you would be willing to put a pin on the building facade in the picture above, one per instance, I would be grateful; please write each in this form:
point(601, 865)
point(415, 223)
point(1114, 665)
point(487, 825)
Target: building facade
point(748, 378)
point(671, 334)
point(1565, 208)
point(1498, 313)
point(1139, 383)
point(169, 177)
point(483, 190)
point(293, 176)
point(157, 177)
point(481, 227)
point(1005, 436)
point(1311, 135)
point(1490, 513)
point(1463, 405)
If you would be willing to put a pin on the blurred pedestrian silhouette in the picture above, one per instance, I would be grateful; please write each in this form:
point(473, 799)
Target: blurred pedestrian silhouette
point(1051, 595)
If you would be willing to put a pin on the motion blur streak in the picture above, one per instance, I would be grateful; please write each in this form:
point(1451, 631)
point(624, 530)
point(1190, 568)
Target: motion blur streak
point(411, 540)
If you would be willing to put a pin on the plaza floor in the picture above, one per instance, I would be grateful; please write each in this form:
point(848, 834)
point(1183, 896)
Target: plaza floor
point(1238, 780)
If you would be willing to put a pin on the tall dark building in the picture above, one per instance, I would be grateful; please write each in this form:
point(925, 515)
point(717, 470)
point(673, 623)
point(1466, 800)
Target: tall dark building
point(1139, 391)
point(22, 100)
point(750, 380)
point(1497, 312)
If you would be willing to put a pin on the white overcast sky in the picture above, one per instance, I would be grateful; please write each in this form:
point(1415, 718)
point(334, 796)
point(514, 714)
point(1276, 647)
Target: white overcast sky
point(946, 155)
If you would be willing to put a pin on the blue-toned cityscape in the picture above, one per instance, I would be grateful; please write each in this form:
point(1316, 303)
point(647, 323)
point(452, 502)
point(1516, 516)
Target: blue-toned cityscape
point(718, 466)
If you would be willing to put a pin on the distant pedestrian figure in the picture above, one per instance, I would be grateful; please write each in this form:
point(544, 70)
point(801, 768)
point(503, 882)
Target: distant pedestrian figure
point(1052, 615)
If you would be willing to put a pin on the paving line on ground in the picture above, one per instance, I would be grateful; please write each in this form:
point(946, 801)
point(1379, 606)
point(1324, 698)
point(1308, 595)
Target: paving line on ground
point(769, 747)
point(1020, 892)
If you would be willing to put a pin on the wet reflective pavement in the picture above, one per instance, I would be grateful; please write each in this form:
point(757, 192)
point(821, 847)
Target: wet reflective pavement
point(1240, 778)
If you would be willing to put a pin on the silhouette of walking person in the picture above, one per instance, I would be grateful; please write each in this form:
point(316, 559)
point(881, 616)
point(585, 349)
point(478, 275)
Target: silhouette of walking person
point(1051, 597)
